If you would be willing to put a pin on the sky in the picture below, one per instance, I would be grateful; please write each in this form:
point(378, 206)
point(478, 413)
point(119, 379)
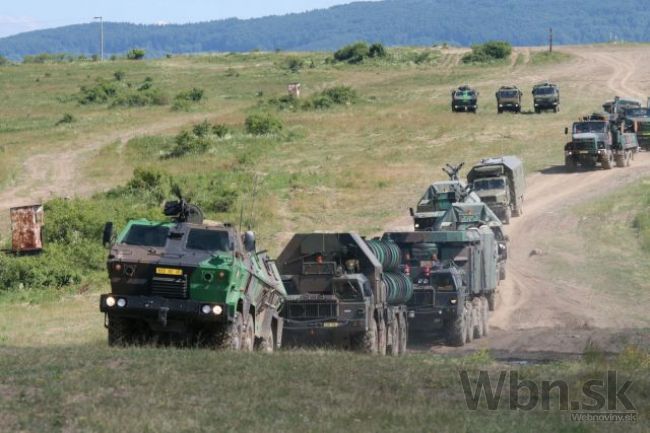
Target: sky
point(25, 15)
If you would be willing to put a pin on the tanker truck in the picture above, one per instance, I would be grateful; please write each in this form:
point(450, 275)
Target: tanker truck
point(500, 183)
point(454, 277)
point(346, 292)
point(190, 281)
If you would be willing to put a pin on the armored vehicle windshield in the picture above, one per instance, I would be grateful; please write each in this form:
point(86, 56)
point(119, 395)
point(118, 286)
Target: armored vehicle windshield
point(485, 184)
point(147, 236)
point(508, 93)
point(637, 112)
point(209, 240)
point(589, 127)
point(465, 94)
point(544, 91)
point(443, 281)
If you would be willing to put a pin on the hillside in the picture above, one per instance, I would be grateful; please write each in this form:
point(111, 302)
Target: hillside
point(393, 22)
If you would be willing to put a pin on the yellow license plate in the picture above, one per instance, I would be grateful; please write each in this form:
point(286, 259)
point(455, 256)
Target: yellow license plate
point(331, 325)
point(584, 152)
point(169, 271)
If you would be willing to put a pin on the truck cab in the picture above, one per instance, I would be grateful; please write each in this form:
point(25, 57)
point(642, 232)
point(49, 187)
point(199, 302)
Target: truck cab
point(546, 96)
point(591, 143)
point(464, 98)
point(508, 99)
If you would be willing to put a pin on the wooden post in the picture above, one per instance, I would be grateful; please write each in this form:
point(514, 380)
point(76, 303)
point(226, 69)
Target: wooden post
point(550, 40)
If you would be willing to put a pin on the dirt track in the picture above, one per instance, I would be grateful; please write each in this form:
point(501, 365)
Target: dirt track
point(539, 317)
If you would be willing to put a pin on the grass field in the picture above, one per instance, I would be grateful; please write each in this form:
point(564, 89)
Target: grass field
point(356, 167)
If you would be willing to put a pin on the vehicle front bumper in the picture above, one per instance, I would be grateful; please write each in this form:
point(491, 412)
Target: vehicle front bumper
point(429, 319)
point(162, 310)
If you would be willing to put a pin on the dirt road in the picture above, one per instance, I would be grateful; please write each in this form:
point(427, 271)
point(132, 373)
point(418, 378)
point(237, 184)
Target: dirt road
point(540, 317)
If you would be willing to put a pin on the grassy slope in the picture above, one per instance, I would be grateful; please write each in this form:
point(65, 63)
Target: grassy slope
point(352, 168)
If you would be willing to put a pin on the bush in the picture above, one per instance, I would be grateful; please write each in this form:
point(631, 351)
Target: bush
point(353, 53)
point(488, 52)
point(184, 100)
point(202, 129)
point(187, 143)
point(339, 95)
point(101, 93)
point(66, 119)
point(377, 50)
point(119, 75)
point(220, 130)
point(263, 124)
point(293, 64)
point(4, 61)
point(136, 54)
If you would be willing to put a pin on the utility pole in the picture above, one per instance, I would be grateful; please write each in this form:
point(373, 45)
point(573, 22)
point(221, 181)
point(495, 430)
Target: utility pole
point(101, 37)
point(550, 40)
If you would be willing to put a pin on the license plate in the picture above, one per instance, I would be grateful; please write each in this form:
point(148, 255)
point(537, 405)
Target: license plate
point(169, 271)
point(331, 325)
point(584, 152)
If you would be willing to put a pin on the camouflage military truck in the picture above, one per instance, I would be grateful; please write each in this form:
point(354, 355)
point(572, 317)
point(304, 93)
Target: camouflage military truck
point(500, 183)
point(346, 292)
point(192, 282)
point(617, 108)
point(637, 121)
point(508, 99)
point(591, 144)
point(464, 99)
point(439, 197)
point(455, 277)
point(546, 96)
point(463, 216)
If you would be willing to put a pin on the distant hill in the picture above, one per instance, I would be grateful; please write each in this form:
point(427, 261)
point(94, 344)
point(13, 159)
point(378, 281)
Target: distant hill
point(393, 22)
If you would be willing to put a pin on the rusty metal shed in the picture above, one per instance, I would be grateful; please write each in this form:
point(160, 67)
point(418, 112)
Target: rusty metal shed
point(27, 228)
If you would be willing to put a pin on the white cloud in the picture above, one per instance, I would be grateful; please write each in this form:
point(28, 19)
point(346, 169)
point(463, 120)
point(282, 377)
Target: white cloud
point(10, 25)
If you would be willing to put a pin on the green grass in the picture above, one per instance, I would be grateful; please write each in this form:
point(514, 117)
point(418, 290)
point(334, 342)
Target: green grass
point(546, 57)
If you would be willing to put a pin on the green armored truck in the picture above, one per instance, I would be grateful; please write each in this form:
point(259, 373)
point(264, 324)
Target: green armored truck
point(546, 96)
point(500, 183)
point(637, 121)
point(192, 282)
point(455, 277)
point(346, 292)
point(508, 99)
point(464, 98)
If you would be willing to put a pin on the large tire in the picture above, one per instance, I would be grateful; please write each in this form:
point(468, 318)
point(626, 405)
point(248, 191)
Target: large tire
point(629, 156)
point(470, 322)
point(370, 339)
point(620, 160)
point(502, 272)
point(248, 334)
point(393, 331)
point(606, 162)
point(507, 216)
point(569, 163)
point(381, 340)
point(403, 333)
point(485, 326)
point(491, 301)
point(121, 331)
point(266, 343)
point(457, 330)
point(232, 334)
point(478, 318)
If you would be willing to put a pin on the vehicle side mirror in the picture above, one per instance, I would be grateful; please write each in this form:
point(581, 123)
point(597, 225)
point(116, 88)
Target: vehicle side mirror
point(566, 131)
point(411, 211)
point(107, 238)
point(249, 241)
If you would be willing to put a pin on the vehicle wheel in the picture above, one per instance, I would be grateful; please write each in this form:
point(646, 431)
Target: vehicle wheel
point(499, 111)
point(569, 163)
point(393, 329)
point(628, 159)
point(477, 327)
point(267, 343)
point(456, 331)
point(607, 162)
point(507, 216)
point(502, 272)
point(620, 160)
point(537, 111)
point(491, 301)
point(248, 335)
point(120, 331)
point(232, 335)
point(381, 340)
point(403, 333)
point(470, 322)
point(370, 340)
point(486, 317)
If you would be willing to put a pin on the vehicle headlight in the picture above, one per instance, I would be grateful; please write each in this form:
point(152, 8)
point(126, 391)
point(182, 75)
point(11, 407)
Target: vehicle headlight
point(206, 309)
point(500, 105)
point(453, 301)
point(121, 302)
point(110, 302)
point(217, 310)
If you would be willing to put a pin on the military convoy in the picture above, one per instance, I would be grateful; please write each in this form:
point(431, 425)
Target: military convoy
point(345, 291)
point(546, 96)
point(191, 281)
point(508, 99)
point(500, 183)
point(464, 98)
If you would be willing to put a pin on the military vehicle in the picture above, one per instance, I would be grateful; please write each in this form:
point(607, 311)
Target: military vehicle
point(454, 274)
point(463, 216)
point(618, 106)
point(346, 292)
point(546, 96)
point(637, 121)
point(464, 99)
point(508, 99)
point(439, 197)
point(191, 281)
point(500, 183)
point(591, 143)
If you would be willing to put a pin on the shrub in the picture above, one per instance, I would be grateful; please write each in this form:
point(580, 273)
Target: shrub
point(183, 100)
point(293, 64)
point(339, 95)
point(136, 54)
point(487, 52)
point(377, 50)
point(66, 119)
point(353, 53)
point(230, 72)
point(220, 130)
point(119, 75)
point(4, 61)
point(263, 124)
point(101, 93)
point(202, 129)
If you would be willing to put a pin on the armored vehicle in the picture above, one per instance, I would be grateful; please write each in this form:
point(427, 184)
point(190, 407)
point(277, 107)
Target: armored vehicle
point(439, 197)
point(464, 99)
point(591, 143)
point(637, 121)
point(508, 99)
point(500, 183)
point(546, 96)
point(191, 281)
point(618, 106)
point(454, 274)
point(346, 292)
point(463, 216)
